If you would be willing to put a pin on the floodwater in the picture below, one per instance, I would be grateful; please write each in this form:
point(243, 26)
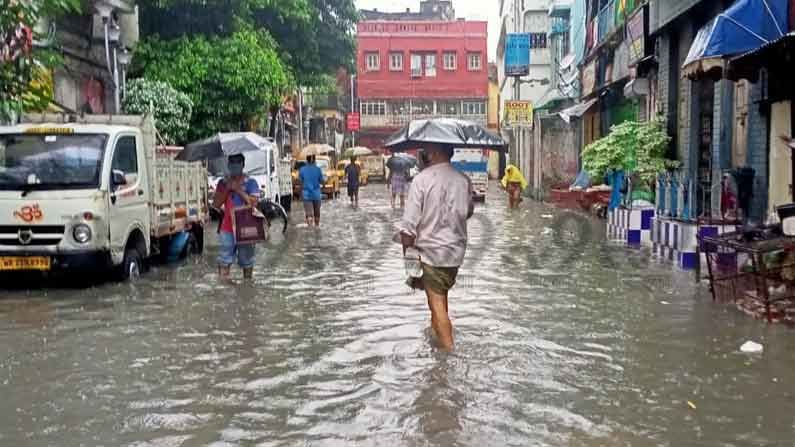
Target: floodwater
point(562, 340)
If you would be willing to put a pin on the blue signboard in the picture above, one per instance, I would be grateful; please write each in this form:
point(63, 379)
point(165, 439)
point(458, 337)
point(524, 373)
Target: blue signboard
point(517, 55)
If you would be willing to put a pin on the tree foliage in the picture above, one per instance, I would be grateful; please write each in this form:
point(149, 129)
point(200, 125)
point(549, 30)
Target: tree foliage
point(314, 37)
point(172, 109)
point(637, 147)
point(231, 80)
point(24, 69)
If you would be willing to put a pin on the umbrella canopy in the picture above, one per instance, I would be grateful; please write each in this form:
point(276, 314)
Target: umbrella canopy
point(315, 149)
point(745, 26)
point(358, 151)
point(401, 162)
point(454, 132)
point(224, 145)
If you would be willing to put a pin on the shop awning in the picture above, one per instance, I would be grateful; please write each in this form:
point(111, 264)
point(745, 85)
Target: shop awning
point(745, 26)
point(550, 99)
point(577, 111)
point(776, 56)
point(636, 88)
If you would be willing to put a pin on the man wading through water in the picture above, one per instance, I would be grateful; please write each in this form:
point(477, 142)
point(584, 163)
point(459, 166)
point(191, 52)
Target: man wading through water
point(435, 224)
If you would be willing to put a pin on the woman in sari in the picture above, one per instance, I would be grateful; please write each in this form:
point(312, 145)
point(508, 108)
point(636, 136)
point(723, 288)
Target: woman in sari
point(514, 182)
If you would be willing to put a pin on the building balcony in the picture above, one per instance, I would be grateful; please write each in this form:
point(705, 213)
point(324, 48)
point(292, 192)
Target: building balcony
point(397, 121)
point(610, 17)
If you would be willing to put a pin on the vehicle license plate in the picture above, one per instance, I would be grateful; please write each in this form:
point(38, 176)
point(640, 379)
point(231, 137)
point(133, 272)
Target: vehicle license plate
point(25, 263)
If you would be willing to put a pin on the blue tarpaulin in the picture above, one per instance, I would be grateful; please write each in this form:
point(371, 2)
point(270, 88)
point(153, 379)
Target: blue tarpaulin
point(745, 26)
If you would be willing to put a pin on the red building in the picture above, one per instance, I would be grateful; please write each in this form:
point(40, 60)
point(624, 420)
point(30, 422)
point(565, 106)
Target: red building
point(419, 69)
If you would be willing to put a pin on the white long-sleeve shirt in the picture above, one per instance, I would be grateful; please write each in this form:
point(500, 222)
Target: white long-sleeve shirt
point(436, 215)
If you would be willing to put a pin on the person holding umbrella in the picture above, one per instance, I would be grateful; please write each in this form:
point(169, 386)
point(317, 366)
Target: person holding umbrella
point(234, 191)
point(397, 180)
point(434, 225)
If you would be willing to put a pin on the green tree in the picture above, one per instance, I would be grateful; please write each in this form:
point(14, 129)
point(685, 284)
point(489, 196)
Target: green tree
point(231, 80)
point(314, 37)
point(20, 63)
point(172, 109)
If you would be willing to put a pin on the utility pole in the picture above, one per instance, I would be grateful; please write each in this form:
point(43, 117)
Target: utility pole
point(300, 119)
point(517, 85)
point(353, 107)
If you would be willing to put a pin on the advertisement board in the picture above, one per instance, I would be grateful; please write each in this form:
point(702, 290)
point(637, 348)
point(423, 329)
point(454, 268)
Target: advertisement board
point(517, 55)
point(519, 113)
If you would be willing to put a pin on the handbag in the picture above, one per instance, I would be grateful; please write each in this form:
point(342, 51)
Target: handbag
point(249, 225)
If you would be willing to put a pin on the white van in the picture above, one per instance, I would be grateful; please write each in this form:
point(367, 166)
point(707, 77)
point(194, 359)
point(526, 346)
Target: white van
point(93, 192)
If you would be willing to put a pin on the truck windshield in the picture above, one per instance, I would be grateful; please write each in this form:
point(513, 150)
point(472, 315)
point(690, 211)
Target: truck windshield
point(50, 161)
point(256, 164)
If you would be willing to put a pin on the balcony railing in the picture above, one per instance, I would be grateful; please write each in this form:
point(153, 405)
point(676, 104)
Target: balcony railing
point(402, 120)
point(610, 17)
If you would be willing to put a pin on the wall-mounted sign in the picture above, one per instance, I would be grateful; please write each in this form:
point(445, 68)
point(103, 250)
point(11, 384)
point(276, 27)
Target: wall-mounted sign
point(519, 113)
point(589, 78)
point(517, 55)
point(353, 122)
point(636, 37)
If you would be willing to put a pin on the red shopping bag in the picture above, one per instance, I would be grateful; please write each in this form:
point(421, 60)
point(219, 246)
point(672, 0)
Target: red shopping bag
point(249, 225)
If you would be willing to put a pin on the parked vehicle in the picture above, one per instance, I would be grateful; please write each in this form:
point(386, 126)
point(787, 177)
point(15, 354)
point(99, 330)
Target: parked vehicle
point(475, 164)
point(363, 176)
point(374, 167)
point(94, 192)
point(331, 187)
point(263, 166)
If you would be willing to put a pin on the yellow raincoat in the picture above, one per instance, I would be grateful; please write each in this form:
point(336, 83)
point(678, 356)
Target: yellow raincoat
point(513, 175)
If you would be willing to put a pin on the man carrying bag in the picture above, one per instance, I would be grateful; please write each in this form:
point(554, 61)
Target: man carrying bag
point(242, 225)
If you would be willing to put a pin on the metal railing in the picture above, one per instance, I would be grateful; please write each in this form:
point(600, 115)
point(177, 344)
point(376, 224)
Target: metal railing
point(606, 21)
point(395, 120)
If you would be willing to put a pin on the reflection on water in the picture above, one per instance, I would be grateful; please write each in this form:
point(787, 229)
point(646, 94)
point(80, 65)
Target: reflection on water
point(562, 339)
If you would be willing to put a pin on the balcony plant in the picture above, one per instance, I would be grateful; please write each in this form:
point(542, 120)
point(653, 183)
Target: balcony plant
point(635, 147)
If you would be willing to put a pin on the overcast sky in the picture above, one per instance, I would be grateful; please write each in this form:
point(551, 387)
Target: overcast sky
point(470, 9)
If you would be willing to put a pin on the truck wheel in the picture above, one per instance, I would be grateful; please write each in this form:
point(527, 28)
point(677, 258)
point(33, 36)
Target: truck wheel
point(132, 265)
point(192, 247)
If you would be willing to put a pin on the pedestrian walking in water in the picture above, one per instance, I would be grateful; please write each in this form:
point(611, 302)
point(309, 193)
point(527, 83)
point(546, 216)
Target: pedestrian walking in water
point(514, 183)
point(311, 179)
point(234, 191)
point(434, 225)
point(397, 181)
point(352, 176)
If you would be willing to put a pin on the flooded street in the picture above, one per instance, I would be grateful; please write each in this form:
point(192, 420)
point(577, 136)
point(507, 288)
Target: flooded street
point(562, 339)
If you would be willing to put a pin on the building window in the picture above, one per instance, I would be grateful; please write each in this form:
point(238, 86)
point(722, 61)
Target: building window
point(373, 108)
point(372, 61)
point(430, 65)
point(475, 63)
point(450, 61)
point(416, 65)
point(396, 61)
point(538, 40)
point(475, 108)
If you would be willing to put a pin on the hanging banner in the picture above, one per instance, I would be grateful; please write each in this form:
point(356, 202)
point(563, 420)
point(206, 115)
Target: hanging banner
point(519, 113)
point(517, 55)
point(589, 78)
point(636, 37)
point(353, 122)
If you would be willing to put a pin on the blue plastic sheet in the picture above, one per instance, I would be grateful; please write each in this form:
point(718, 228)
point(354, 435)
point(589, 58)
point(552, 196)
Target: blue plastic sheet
point(745, 26)
point(616, 182)
point(583, 180)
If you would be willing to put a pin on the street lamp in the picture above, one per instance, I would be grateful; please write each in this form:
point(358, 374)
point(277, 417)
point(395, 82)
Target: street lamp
point(124, 58)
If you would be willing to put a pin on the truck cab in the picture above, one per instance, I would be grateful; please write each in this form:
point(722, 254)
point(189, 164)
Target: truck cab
point(92, 195)
point(474, 164)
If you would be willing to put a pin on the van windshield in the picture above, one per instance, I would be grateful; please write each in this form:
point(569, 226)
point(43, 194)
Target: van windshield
point(256, 164)
point(29, 162)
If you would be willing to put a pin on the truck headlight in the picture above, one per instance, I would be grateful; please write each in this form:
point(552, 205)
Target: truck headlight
point(82, 233)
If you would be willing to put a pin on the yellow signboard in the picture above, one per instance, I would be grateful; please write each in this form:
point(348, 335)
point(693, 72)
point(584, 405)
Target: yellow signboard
point(50, 130)
point(519, 113)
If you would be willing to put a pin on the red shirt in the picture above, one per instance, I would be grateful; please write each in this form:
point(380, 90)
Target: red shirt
point(233, 201)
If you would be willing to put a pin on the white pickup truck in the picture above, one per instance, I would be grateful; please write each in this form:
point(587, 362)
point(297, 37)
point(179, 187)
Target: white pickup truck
point(93, 193)
point(473, 163)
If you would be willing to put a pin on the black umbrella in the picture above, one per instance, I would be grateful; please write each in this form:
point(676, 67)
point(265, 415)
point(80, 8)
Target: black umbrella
point(453, 132)
point(401, 162)
point(223, 145)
